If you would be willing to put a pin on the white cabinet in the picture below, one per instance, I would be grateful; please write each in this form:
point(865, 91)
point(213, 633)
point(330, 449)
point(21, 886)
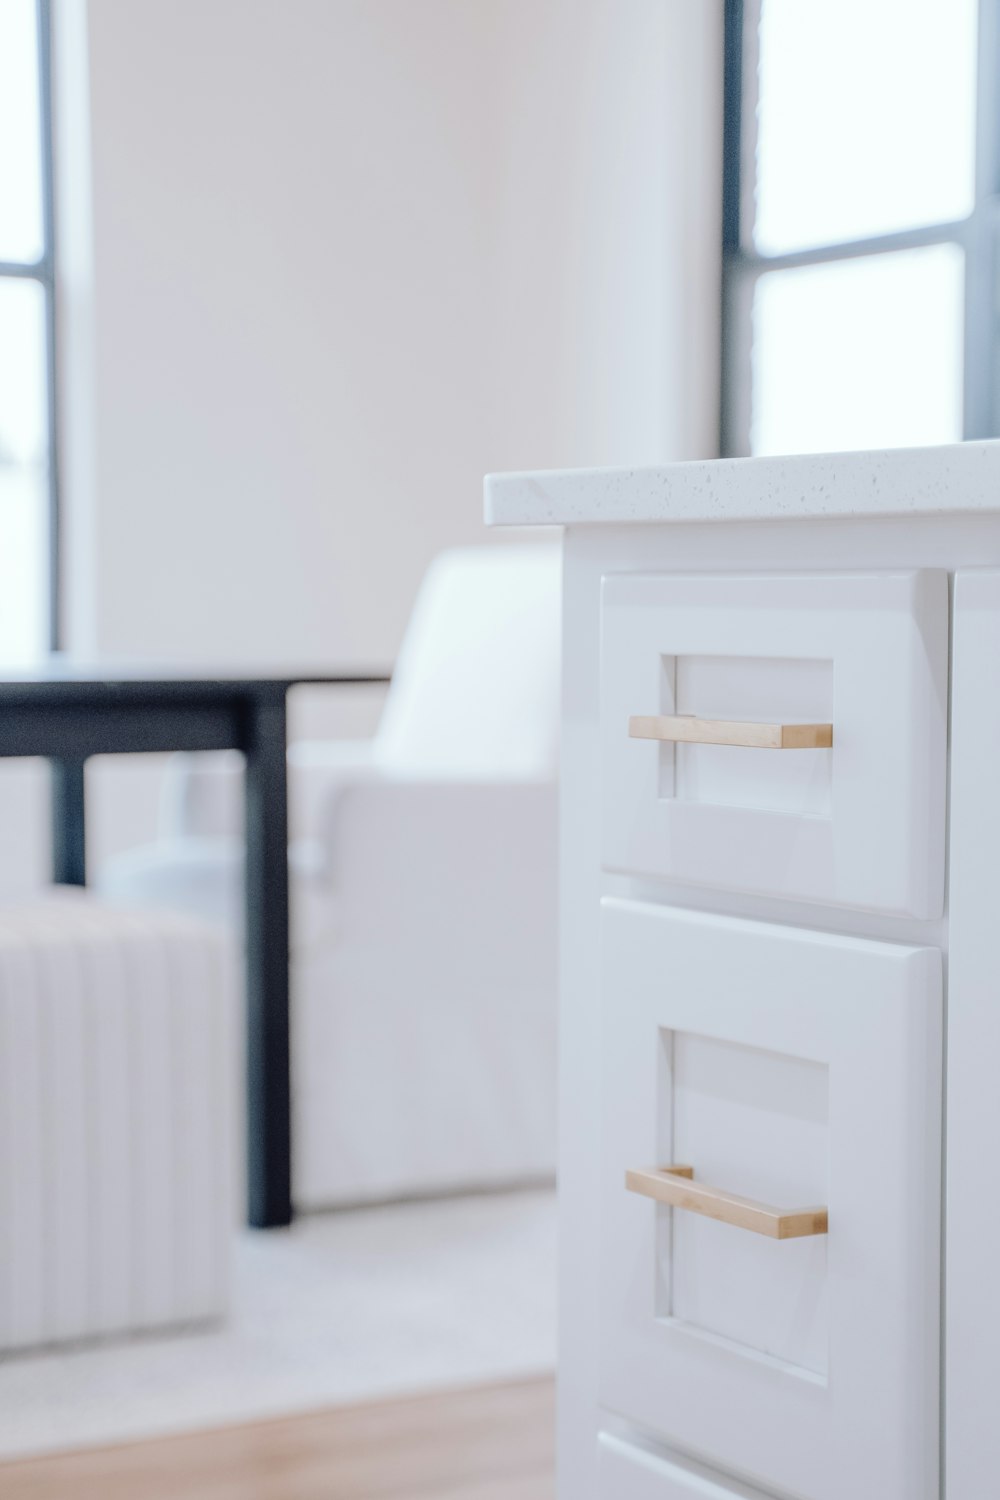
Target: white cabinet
point(780, 907)
point(859, 823)
point(803, 1070)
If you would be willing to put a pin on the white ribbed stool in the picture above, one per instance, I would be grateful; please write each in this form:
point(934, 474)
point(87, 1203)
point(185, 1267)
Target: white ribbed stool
point(114, 1085)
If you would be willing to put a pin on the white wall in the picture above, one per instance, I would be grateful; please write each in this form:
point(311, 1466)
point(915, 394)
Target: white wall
point(326, 262)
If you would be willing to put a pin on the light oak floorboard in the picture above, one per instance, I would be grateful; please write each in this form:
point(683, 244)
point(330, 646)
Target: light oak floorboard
point(492, 1443)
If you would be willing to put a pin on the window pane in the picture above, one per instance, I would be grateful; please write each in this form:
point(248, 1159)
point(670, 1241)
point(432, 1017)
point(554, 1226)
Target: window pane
point(866, 118)
point(23, 479)
point(20, 135)
point(862, 353)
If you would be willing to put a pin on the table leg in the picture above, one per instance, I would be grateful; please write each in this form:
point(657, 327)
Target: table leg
point(268, 1063)
point(69, 845)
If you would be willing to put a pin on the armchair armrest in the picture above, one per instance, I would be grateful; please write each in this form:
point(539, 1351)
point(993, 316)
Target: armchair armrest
point(202, 795)
point(450, 862)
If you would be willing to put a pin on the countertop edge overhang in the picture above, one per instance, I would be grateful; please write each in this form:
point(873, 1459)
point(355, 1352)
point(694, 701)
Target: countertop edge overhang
point(950, 479)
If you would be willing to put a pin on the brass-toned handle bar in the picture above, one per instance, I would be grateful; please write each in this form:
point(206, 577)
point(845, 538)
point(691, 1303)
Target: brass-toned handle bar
point(675, 1187)
point(685, 729)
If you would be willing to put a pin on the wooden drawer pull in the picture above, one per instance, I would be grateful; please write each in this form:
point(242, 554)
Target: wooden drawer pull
point(687, 730)
point(674, 1186)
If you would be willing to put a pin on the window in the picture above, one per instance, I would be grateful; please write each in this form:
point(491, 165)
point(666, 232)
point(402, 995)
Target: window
point(859, 223)
point(28, 512)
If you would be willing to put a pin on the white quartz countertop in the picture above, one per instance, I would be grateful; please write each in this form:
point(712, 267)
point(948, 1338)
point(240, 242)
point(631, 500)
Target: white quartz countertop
point(948, 480)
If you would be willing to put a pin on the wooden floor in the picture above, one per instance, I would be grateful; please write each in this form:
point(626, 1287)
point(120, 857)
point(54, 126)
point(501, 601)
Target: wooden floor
point(494, 1443)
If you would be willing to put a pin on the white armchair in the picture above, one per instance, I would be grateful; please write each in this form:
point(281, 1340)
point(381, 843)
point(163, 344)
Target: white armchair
point(424, 898)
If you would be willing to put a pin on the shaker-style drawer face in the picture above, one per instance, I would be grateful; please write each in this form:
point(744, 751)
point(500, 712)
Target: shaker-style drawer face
point(771, 1200)
point(783, 735)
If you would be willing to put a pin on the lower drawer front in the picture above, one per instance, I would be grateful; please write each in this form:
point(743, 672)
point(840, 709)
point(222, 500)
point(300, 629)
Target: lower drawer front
point(628, 1472)
point(793, 1078)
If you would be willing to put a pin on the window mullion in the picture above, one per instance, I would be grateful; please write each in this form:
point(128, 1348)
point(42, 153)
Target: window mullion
point(981, 396)
point(49, 230)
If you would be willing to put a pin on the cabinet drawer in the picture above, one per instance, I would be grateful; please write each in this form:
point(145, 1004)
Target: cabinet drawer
point(851, 810)
point(796, 1069)
point(628, 1472)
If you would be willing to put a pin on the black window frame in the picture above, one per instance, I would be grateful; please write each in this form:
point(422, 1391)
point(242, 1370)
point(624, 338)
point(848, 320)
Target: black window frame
point(743, 264)
point(43, 272)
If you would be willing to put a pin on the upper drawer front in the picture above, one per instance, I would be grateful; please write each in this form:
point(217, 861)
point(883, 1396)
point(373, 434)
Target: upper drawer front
point(773, 1311)
point(861, 657)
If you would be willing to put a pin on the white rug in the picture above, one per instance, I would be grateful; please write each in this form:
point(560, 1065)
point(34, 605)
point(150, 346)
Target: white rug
point(340, 1308)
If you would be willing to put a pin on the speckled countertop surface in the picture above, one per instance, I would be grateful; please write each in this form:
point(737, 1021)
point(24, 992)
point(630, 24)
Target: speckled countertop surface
point(889, 482)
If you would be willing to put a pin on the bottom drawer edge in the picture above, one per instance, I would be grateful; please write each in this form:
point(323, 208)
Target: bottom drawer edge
point(633, 1469)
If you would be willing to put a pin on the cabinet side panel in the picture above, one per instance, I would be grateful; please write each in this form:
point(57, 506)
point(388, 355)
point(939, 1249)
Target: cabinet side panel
point(972, 1375)
point(580, 1025)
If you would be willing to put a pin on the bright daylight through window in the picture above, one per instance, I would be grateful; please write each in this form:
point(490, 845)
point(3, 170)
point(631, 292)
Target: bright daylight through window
point(854, 236)
point(25, 293)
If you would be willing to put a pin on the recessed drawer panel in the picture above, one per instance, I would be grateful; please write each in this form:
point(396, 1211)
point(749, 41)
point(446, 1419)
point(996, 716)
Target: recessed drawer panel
point(783, 735)
point(771, 1200)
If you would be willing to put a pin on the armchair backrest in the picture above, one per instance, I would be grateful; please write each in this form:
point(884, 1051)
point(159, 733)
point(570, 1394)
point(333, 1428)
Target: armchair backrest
point(475, 689)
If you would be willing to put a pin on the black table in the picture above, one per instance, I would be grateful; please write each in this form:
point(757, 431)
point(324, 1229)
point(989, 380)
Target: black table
point(67, 712)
